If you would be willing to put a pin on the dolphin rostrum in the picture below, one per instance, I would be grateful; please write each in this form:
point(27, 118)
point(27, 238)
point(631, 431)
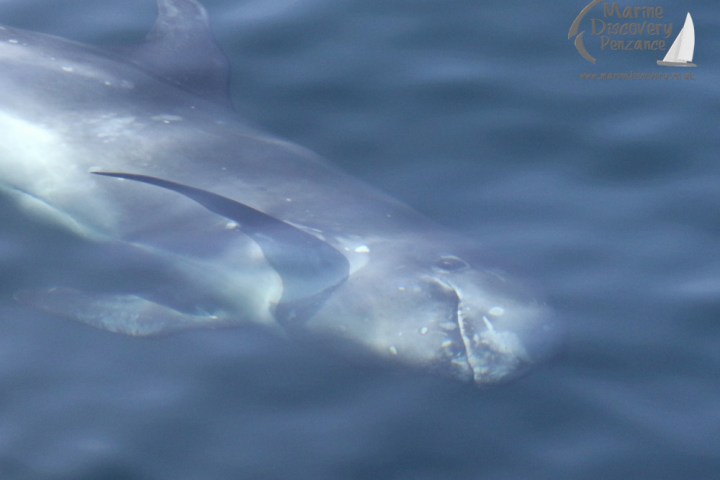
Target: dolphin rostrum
point(174, 214)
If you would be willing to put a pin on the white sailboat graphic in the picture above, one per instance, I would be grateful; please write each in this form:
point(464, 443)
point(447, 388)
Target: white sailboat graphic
point(682, 49)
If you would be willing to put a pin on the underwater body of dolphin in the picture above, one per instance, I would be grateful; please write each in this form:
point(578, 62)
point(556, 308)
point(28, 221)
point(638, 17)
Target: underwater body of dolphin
point(183, 216)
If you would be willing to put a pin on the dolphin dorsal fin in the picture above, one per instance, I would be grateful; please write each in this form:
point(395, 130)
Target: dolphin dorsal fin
point(181, 49)
point(308, 266)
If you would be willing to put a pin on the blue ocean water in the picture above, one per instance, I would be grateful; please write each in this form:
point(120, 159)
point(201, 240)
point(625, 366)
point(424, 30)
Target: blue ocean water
point(603, 194)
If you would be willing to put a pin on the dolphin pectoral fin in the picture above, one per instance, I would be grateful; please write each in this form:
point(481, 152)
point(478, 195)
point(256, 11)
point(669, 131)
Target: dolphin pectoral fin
point(119, 313)
point(307, 265)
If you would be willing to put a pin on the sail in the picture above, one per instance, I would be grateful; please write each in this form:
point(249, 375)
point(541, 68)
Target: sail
point(684, 45)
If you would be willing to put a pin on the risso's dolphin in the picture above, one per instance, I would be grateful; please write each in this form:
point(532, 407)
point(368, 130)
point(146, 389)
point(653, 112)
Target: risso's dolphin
point(173, 214)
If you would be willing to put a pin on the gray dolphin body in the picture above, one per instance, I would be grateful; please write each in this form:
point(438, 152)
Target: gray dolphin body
point(176, 214)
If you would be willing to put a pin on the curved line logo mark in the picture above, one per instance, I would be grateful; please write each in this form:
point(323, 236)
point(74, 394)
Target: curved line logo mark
point(579, 37)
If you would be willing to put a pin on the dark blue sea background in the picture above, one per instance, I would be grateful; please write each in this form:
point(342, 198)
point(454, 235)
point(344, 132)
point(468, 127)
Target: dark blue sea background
point(604, 195)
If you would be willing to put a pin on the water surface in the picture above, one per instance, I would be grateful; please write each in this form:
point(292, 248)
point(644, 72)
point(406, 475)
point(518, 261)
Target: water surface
point(604, 195)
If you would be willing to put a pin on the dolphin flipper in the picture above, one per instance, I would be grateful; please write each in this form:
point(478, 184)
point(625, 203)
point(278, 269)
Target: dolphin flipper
point(119, 313)
point(307, 265)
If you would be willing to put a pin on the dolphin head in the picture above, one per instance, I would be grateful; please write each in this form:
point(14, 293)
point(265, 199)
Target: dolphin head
point(438, 311)
point(503, 329)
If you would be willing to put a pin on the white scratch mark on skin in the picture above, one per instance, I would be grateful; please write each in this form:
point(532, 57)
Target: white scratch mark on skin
point(496, 311)
point(166, 118)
